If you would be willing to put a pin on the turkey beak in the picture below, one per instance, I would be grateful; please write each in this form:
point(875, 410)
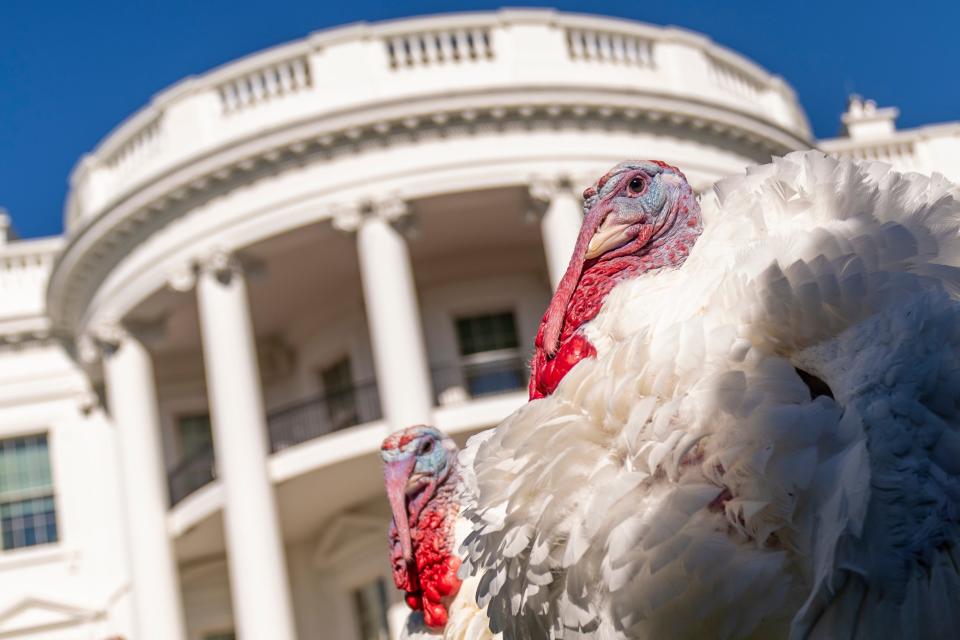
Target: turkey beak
point(558, 305)
point(397, 474)
point(609, 235)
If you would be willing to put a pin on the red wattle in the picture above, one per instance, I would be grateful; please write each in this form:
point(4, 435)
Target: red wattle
point(548, 374)
point(435, 615)
point(431, 581)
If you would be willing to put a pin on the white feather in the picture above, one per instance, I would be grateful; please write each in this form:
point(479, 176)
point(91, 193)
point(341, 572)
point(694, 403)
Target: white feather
point(683, 484)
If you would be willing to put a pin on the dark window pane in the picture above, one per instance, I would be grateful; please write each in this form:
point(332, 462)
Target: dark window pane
point(370, 602)
point(24, 468)
point(490, 332)
point(27, 510)
point(509, 377)
point(194, 434)
point(26, 523)
point(489, 349)
point(338, 388)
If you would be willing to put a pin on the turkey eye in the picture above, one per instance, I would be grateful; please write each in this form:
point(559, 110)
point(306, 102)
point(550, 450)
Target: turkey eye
point(427, 447)
point(636, 185)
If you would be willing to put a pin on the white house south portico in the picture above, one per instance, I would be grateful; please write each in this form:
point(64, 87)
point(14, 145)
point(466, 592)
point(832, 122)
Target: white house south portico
point(276, 263)
point(390, 200)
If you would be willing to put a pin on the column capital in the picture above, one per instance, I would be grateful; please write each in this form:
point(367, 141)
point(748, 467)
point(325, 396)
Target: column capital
point(102, 339)
point(183, 277)
point(349, 218)
point(220, 263)
point(543, 188)
point(542, 191)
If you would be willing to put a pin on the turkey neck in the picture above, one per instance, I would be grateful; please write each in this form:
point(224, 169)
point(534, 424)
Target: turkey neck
point(597, 280)
point(437, 516)
point(601, 276)
point(436, 564)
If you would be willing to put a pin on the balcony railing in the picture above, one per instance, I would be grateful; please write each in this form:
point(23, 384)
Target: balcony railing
point(491, 374)
point(497, 373)
point(195, 470)
point(323, 414)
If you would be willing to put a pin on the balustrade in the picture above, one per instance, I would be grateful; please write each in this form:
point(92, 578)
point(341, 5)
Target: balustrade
point(605, 46)
point(446, 46)
point(729, 78)
point(266, 83)
point(136, 146)
point(507, 49)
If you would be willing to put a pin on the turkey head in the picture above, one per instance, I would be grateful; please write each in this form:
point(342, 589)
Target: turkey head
point(639, 217)
point(420, 470)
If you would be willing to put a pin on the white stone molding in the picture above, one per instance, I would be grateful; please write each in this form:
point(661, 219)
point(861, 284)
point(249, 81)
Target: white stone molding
point(103, 240)
point(183, 278)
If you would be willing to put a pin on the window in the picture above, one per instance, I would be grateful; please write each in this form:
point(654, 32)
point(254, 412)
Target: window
point(220, 635)
point(194, 466)
point(490, 353)
point(194, 434)
point(337, 380)
point(27, 513)
point(370, 602)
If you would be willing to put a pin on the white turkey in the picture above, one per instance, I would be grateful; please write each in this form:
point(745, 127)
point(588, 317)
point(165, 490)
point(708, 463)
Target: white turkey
point(424, 487)
point(745, 424)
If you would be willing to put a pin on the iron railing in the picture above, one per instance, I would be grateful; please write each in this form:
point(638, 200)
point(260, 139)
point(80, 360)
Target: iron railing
point(286, 426)
point(317, 416)
point(478, 378)
point(323, 414)
point(192, 472)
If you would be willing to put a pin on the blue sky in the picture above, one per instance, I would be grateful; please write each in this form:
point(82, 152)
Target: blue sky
point(70, 71)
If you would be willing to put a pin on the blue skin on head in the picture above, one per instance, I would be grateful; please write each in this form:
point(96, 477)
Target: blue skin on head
point(426, 444)
point(636, 193)
point(417, 461)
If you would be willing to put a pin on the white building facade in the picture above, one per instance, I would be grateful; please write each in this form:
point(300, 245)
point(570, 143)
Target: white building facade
point(275, 264)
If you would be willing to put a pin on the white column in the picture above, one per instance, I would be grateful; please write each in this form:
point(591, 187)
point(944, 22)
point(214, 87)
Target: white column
point(559, 225)
point(132, 399)
point(397, 614)
point(393, 313)
point(258, 574)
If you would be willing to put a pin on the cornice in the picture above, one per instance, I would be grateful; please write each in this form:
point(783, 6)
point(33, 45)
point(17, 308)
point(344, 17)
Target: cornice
point(102, 241)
